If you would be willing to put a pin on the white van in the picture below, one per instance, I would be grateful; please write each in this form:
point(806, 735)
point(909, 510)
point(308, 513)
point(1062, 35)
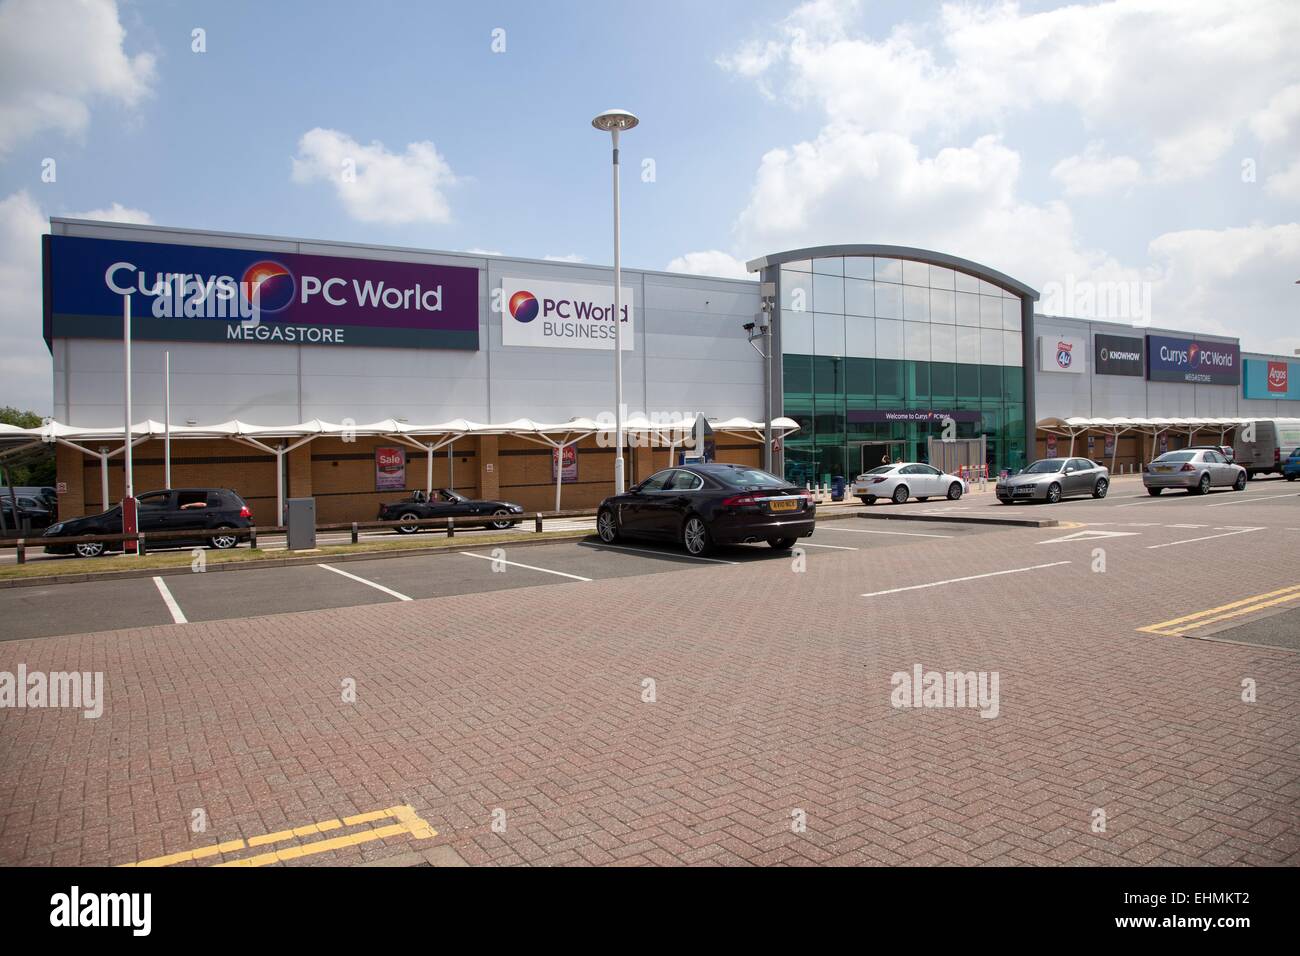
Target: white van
point(1275, 439)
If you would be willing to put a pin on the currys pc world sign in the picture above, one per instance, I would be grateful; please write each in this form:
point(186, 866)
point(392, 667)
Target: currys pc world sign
point(565, 315)
point(209, 294)
point(1192, 360)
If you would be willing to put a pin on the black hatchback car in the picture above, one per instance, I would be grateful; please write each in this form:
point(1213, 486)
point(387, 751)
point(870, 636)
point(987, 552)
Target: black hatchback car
point(212, 513)
point(445, 503)
point(710, 504)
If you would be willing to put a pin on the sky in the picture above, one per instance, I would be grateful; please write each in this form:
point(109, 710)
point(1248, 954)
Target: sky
point(1135, 160)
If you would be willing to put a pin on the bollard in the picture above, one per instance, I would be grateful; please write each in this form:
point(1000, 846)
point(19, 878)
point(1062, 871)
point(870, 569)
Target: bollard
point(141, 548)
point(354, 532)
point(537, 522)
point(451, 527)
point(252, 536)
point(22, 551)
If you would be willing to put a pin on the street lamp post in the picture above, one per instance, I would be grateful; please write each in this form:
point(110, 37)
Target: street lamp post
point(614, 122)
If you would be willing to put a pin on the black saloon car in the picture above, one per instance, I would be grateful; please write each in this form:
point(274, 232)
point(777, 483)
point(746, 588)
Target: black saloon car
point(445, 503)
point(212, 513)
point(710, 504)
point(32, 512)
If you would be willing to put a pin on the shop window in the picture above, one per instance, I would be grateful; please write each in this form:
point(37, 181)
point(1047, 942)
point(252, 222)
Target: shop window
point(797, 374)
point(860, 377)
point(917, 383)
point(991, 382)
point(889, 378)
point(943, 381)
point(968, 382)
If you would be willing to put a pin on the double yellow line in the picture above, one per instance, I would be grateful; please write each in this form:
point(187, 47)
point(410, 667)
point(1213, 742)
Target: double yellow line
point(407, 822)
point(1179, 626)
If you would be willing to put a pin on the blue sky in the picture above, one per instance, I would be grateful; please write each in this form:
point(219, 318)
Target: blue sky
point(1153, 143)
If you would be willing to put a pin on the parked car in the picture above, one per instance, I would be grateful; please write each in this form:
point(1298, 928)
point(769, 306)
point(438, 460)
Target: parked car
point(1291, 467)
point(904, 480)
point(445, 503)
point(710, 504)
point(1225, 450)
point(1274, 440)
point(1051, 479)
point(32, 511)
point(213, 514)
point(1193, 469)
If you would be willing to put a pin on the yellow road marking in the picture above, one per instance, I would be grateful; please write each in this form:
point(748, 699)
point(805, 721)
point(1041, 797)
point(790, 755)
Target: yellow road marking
point(408, 821)
point(1224, 612)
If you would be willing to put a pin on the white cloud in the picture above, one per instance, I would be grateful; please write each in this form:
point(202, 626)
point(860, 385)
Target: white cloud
point(1093, 173)
point(710, 263)
point(1189, 73)
point(25, 371)
point(114, 213)
point(57, 57)
point(476, 251)
point(571, 257)
point(376, 185)
point(1285, 184)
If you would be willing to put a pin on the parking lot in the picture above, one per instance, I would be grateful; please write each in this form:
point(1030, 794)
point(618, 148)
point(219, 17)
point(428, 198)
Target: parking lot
point(632, 704)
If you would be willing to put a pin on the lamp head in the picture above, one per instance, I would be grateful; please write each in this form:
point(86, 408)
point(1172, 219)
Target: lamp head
point(612, 120)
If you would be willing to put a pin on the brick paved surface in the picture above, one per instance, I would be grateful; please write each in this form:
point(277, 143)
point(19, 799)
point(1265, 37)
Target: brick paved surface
point(773, 694)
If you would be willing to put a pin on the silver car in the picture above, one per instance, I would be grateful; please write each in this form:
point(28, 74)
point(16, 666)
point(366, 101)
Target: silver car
point(1051, 479)
point(1194, 470)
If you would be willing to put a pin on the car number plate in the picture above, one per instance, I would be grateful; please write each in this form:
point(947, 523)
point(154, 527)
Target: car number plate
point(784, 504)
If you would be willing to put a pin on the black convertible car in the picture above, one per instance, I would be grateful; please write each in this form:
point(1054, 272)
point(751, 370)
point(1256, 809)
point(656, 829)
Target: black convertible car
point(445, 503)
point(704, 505)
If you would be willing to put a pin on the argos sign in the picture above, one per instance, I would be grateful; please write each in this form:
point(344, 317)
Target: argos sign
point(563, 315)
point(1271, 378)
point(201, 293)
point(1192, 360)
point(1062, 353)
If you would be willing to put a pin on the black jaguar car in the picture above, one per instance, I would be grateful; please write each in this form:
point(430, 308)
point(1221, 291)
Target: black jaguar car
point(213, 514)
point(710, 504)
point(445, 503)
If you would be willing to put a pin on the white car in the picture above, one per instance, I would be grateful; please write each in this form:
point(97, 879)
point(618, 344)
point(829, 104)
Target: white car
point(907, 480)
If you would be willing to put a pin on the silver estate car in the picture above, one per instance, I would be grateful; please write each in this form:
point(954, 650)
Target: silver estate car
point(1194, 470)
point(1051, 479)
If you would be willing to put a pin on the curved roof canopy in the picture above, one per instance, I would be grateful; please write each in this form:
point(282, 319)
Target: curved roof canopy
point(897, 252)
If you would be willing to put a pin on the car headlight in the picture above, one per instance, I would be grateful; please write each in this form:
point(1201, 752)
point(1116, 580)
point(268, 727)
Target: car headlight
point(54, 528)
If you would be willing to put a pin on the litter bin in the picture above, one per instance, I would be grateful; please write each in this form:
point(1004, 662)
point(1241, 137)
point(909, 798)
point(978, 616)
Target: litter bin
point(837, 488)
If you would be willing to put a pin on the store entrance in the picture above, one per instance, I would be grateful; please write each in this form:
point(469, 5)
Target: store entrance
point(875, 454)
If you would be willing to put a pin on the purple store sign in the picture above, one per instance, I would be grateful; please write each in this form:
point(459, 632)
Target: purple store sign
point(861, 416)
point(208, 294)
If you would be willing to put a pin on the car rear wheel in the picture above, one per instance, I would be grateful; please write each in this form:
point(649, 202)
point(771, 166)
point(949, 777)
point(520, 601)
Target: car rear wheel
point(411, 528)
point(1291, 477)
point(90, 549)
point(954, 491)
point(1053, 493)
point(606, 526)
point(1240, 483)
point(1099, 490)
point(1154, 492)
point(1203, 488)
point(867, 499)
point(901, 494)
point(695, 535)
point(224, 542)
point(503, 519)
point(782, 544)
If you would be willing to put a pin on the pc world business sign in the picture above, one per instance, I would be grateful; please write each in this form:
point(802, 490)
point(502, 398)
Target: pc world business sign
point(563, 315)
point(1193, 361)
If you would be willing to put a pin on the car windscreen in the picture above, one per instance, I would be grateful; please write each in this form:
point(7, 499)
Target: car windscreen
point(882, 470)
point(749, 478)
point(1047, 466)
point(1177, 456)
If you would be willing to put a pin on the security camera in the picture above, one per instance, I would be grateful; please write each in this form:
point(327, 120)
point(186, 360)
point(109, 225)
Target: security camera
point(749, 326)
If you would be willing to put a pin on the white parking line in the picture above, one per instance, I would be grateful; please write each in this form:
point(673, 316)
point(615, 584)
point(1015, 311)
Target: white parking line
point(837, 547)
point(178, 616)
point(972, 577)
point(661, 554)
point(909, 534)
point(516, 564)
point(354, 577)
point(1242, 501)
point(1226, 534)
